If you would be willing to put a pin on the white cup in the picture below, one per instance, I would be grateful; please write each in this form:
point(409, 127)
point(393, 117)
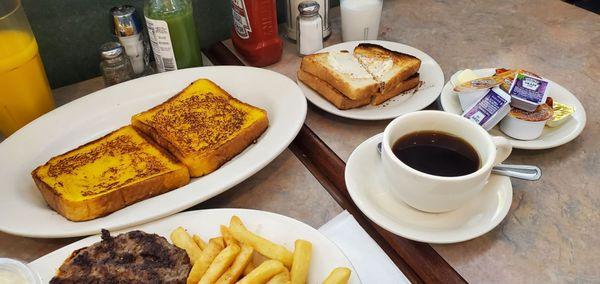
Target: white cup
point(433, 193)
point(360, 19)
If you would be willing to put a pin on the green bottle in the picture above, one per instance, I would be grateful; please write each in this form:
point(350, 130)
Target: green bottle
point(172, 33)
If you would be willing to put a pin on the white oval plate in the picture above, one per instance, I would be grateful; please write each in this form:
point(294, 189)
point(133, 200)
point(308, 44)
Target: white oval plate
point(551, 137)
point(430, 72)
point(24, 211)
point(278, 228)
point(371, 193)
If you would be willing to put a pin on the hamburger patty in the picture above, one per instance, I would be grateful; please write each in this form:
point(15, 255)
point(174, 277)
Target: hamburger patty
point(133, 257)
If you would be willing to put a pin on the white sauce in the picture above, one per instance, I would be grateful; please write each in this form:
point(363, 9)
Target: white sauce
point(10, 276)
point(346, 63)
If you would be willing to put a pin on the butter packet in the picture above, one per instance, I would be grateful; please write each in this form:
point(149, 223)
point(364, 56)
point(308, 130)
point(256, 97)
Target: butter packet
point(562, 113)
point(528, 92)
point(490, 109)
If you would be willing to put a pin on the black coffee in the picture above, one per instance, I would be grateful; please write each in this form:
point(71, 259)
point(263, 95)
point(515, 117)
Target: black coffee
point(437, 153)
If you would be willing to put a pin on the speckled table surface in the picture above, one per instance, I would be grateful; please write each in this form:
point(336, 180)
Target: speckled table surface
point(552, 231)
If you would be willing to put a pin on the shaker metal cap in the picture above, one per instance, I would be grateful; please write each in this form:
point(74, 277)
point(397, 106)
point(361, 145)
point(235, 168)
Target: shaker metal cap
point(308, 8)
point(111, 50)
point(125, 20)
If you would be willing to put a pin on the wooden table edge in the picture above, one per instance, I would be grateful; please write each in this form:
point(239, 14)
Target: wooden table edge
point(418, 261)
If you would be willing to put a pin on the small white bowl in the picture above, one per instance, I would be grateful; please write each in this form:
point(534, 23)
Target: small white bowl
point(19, 271)
point(522, 129)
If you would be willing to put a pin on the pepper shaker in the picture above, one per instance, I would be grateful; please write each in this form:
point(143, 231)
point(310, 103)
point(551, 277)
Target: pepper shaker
point(309, 32)
point(115, 65)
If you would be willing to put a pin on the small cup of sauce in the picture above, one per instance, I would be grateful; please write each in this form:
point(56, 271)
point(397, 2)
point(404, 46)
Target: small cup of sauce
point(17, 272)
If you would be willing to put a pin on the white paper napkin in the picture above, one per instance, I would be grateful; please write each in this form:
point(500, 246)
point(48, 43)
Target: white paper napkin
point(370, 261)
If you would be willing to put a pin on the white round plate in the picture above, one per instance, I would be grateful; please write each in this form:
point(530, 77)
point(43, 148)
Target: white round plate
point(432, 79)
point(277, 228)
point(370, 191)
point(24, 211)
point(551, 137)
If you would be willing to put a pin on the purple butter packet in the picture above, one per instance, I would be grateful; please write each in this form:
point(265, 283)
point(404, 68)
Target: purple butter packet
point(528, 92)
point(490, 109)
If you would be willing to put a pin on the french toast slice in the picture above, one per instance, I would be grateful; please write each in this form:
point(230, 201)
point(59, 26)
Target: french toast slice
point(107, 174)
point(341, 70)
point(400, 88)
point(388, 67)
point(203, 126)
point(330, 93)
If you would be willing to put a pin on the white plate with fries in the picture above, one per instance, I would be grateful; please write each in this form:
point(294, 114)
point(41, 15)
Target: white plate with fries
point(275, 239)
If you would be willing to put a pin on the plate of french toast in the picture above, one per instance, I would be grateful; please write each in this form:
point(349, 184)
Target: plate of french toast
point(223, 246)
point(145, 149)
point(370, 80)
point(530, 110)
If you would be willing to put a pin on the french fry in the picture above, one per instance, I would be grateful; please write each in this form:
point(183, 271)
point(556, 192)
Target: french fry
point(339, 275)
point(281, 278)
point(214, 247)
point(199, 242)
point(263, 272)
point(234, 272)
point(220, 264)
point(183, 240)
point(227, 236)
point(249, 267)
point(301, 263)
point(260, 244)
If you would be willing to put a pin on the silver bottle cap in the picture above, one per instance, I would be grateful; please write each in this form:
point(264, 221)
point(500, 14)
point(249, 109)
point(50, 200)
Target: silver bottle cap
point(125, 21)
point(308, 8)
point(111, 50)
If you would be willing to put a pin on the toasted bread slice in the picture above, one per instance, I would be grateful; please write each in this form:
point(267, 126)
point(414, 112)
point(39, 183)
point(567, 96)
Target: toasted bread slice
point(330, 93)
point(203, 126)
point(398, 89)
point(108, 174)
point(388, 67)
point(342, 71)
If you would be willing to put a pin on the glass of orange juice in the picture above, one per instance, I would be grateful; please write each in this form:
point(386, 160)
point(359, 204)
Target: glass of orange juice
point(24, 90)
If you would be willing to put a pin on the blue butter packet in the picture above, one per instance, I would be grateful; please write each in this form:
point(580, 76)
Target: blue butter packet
point(490, 109)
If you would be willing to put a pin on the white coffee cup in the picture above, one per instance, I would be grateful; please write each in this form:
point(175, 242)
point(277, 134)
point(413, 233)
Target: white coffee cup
point(433, 193)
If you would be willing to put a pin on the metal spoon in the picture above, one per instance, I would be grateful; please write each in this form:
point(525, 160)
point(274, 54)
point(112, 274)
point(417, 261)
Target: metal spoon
point(524, 172)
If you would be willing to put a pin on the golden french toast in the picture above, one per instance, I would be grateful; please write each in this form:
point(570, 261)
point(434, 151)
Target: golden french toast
point(203, 126)
point(107, 174)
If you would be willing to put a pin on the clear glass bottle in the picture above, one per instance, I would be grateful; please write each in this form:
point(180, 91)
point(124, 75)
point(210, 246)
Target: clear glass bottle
point(115, 65)
point(309, 31)
point(172, 34)
point(24, 90)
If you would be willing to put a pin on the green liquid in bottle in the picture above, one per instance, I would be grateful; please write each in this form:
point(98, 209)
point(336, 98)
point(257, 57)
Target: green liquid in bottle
point(178, 14)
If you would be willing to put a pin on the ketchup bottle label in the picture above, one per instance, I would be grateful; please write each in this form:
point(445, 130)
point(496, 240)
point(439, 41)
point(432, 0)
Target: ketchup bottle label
point(240, 19)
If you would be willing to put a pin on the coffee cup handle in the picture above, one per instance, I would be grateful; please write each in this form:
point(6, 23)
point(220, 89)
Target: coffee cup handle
point(503, 149)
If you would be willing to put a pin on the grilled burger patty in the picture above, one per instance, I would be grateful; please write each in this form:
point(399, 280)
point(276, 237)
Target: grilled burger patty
point(133, 257)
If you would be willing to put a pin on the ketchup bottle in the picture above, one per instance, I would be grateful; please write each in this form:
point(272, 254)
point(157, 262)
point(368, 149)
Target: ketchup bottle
point(254, 33)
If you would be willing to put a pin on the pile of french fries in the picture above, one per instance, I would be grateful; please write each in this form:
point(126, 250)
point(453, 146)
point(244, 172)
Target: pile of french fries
point(240, 256)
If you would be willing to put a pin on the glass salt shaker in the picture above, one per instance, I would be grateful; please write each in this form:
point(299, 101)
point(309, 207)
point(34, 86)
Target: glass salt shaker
point(309, 32)
point(115, 65)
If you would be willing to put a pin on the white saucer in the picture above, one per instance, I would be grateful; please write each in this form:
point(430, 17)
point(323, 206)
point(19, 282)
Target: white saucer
point(430, 74)
point(551, 137)
point(370, 191)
